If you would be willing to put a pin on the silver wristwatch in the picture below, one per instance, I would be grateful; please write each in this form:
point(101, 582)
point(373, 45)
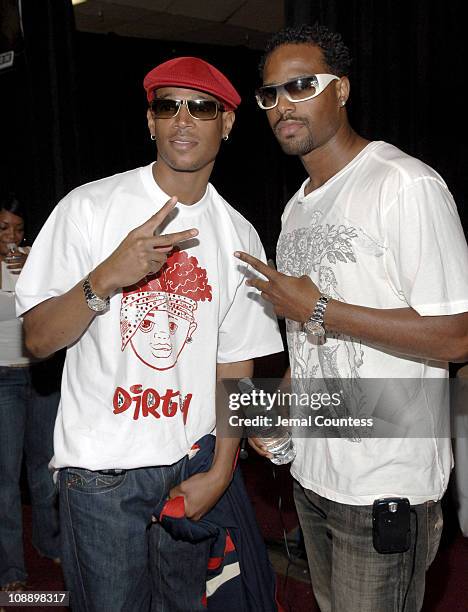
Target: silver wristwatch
point(94, 302)
point(314, 326)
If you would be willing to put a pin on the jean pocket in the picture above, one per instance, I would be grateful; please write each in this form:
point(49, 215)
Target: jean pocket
point(435, 523)
point(87, 481)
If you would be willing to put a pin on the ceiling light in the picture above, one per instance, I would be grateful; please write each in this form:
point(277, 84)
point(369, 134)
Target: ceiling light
point(78, 2)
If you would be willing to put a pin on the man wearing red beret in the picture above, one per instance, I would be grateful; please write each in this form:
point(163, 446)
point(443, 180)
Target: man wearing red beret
point(150, 311)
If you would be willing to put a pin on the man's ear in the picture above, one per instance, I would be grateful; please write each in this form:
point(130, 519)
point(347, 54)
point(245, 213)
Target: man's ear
point(343, 90)
point(151, 124)
point(228, 121)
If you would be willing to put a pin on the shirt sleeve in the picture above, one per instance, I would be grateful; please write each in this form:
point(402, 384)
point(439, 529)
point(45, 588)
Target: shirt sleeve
point(427, 255)
point(58, 260)
point(250, 328)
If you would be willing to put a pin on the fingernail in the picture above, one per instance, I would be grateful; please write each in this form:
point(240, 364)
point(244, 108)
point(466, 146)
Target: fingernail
point(193, 232)
point(236, 254)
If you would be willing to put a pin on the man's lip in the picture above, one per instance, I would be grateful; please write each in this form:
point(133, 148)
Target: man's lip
point(182, 140)
point(287, 127)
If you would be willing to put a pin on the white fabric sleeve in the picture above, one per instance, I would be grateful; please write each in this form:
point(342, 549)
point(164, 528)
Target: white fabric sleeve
point(250, 328)
point(7, 306)
point(58, 260)
point(427, 255)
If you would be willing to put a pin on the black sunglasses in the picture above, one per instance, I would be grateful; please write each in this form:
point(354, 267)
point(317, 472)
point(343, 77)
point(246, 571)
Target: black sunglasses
point(167, 108)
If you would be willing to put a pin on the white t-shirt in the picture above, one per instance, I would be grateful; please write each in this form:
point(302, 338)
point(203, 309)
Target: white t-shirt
point(383, 233)
point(138, 387)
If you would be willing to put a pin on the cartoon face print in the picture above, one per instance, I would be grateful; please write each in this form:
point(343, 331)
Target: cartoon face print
point(160, 338)
point(157, 316)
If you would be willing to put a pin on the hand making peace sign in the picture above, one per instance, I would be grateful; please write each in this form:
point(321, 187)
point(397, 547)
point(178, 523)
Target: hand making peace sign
point(292, 297)
point(139, 254)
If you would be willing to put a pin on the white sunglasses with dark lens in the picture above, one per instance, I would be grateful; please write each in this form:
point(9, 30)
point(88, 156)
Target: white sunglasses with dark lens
point(296, 90)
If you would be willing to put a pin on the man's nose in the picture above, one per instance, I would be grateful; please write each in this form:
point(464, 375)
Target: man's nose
point(183, 117)
point(284, 105)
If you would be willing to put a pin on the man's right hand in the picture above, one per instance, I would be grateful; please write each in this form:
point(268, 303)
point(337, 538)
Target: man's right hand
point(259, 447)
point(139, 254)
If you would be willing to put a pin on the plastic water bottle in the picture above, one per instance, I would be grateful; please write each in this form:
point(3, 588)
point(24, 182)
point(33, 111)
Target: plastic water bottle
point(278, 442)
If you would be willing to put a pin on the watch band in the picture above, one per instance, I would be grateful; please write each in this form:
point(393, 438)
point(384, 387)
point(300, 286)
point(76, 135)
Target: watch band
point(320, 307)
point(96, 303)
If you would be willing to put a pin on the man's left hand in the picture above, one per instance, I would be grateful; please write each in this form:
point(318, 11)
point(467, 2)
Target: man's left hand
point(292, 297)
point(200, 493)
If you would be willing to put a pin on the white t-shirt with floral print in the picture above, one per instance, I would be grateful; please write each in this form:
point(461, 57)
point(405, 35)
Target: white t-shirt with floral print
point(382, 233)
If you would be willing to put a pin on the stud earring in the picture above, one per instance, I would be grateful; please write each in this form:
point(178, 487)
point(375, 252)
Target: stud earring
point(153, 137)
point(343, 102)
point(226, 137)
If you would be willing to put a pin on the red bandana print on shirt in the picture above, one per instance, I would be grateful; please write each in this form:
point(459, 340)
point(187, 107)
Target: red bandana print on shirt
point(157, 320)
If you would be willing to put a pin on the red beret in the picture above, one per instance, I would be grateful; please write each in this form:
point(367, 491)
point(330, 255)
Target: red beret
point(192, 73)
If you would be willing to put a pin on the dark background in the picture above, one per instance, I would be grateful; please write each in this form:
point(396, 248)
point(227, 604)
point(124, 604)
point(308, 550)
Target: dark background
point(73, 107)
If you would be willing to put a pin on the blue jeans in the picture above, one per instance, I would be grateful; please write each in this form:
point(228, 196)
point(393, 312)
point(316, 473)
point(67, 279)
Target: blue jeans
point(114, 559)
point(347, 573)
point(27, 418)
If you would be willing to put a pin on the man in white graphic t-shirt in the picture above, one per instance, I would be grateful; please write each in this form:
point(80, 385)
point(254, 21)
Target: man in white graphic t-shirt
point(372, 279)
point(149, 311)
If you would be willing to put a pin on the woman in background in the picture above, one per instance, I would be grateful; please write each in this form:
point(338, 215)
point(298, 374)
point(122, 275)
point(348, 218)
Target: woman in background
point(28, 406)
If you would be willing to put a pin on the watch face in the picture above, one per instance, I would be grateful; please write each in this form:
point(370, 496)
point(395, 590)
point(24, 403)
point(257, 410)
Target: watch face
point(97, 304)
point(314, 328)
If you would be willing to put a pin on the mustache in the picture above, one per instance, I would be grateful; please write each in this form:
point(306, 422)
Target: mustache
point(180, 132)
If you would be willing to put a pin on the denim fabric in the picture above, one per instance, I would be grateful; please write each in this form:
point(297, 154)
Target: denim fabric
point(27, 420)
point(347, 573)
point(114, 559)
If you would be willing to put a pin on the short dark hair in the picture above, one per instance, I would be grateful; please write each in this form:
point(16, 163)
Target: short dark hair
point(11, 204)
point(336, 54)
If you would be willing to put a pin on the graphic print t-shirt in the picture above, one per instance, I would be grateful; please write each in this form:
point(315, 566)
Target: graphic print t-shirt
point(382, 233)
point(139, 386)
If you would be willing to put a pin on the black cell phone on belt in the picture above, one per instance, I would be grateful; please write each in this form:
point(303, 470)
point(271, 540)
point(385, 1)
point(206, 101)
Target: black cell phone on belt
point(391, 525)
